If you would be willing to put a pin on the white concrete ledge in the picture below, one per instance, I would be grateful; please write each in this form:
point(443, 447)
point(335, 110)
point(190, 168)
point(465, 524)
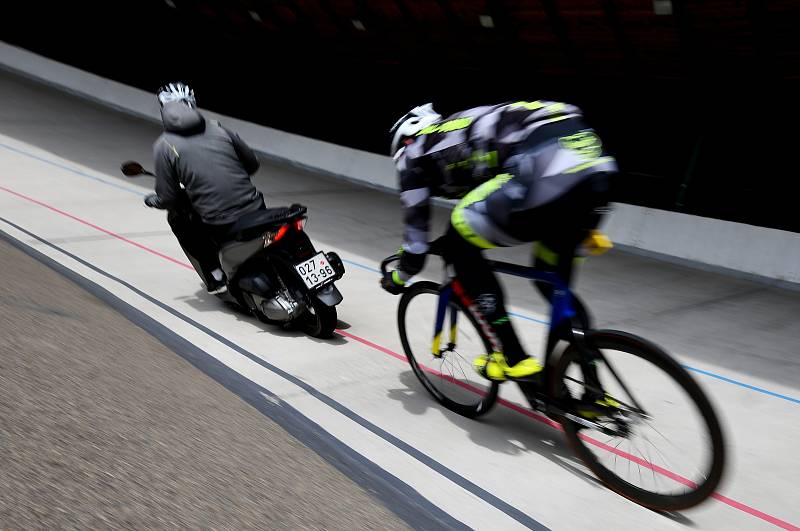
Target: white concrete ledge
point(752, 251)
point(756, 251)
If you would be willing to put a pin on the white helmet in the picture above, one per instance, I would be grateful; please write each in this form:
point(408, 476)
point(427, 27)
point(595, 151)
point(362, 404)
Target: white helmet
point(412, 123)
point(176, 92)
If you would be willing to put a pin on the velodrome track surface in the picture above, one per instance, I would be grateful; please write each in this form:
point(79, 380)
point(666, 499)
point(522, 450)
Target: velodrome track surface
point(346, 420)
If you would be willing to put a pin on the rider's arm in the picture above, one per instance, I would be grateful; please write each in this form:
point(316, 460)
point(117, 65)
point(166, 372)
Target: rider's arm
point(243, 151)
point(415, 195)
point(167, 187)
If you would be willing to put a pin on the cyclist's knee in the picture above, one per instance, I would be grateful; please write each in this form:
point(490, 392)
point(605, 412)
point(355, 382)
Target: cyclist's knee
point(458, 249)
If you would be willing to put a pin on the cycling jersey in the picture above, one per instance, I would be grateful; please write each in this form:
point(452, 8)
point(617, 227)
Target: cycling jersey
point(510, 157)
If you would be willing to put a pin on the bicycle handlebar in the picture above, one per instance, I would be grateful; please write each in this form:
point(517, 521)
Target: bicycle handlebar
point(434, 249)
point(388, 260)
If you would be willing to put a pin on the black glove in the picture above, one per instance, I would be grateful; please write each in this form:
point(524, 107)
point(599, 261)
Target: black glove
point(392, 283)
point(153, 201)
point(411, 263)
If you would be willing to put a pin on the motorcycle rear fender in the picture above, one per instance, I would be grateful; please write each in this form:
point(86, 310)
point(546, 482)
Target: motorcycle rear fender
point(329, 295)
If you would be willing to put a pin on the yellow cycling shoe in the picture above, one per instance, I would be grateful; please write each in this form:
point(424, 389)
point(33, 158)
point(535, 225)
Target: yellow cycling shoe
point(607, 401)
point(490, 366)
point(495, 367)
point(604, 404)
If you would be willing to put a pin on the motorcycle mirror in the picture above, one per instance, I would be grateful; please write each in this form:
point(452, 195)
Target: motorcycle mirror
point(133, 168)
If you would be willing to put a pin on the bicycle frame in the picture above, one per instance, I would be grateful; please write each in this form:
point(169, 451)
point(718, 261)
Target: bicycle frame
point(562, 309)
point(562, 327)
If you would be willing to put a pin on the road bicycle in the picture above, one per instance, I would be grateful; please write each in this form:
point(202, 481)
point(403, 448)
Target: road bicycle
point(630, 412)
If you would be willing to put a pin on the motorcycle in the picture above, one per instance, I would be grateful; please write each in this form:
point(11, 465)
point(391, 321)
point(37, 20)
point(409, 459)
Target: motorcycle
point(273, 270)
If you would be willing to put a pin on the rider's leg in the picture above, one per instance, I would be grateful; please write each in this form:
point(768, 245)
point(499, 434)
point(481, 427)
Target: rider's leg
point(194, 241)
point(471, 231)
point(481, 292)
point(564, 224)
point(572, 217)
point(503, 212)
point(218, 233)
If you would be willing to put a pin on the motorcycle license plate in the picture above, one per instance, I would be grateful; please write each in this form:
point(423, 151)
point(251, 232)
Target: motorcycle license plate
point(315, 271)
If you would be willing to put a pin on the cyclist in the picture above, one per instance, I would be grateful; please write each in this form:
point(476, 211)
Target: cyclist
point(214, 166)
point(525, 172)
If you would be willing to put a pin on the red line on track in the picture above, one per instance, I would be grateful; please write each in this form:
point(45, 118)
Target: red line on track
point(510, 405)
point(553, 424)
point(101, 229)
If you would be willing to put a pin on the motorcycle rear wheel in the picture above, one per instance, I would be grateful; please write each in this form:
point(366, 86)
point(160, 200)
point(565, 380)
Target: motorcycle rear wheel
point(319, 320)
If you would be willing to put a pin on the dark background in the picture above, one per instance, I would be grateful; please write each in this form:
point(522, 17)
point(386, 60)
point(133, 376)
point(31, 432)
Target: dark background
point(700, 106)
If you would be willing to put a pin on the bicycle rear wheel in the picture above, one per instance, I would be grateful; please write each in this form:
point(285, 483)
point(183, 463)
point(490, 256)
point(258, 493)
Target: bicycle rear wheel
point(449, 378)
point(659, 443)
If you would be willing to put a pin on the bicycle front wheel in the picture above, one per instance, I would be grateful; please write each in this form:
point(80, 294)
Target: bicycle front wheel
point(656, 440)
point(448, 376)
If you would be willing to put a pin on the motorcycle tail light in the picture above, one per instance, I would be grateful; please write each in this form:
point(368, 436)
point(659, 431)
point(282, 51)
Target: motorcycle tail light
point(271, 237)
point(300, 223)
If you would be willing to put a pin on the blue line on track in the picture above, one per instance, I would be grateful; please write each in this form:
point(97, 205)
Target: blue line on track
point(72, 170)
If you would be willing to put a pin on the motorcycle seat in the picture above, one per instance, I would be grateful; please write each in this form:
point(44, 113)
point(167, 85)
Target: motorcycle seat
point(254, 224)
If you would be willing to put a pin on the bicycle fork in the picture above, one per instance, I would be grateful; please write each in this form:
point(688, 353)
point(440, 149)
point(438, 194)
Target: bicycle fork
point(441, 314)
point(446, 293)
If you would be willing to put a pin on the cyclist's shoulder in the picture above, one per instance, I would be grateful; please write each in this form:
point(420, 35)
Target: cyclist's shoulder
point(163, 142)
point(454, 125)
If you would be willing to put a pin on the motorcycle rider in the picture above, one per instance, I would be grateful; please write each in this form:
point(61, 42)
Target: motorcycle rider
point(202, 179)
point(525, 172)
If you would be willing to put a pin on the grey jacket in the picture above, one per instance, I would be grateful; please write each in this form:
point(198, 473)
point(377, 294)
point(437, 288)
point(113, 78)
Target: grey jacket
point(213, 164)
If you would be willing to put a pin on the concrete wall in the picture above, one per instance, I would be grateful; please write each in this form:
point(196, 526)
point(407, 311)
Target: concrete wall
point(771, 254)
point(352, 164)
point(736, 247)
